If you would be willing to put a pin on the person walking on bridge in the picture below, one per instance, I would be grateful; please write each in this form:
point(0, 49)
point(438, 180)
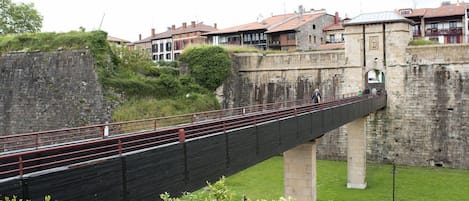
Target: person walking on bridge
point(316, 96)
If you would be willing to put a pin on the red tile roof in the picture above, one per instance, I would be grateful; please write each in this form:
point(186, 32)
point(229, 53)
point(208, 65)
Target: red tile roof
point(145, 40)
point(333, 27)
point(447, 10)
point(442, 11)
point(264, 24)
point(189, 29)
point(115, 39)
point(296, 22)
point(198, 27)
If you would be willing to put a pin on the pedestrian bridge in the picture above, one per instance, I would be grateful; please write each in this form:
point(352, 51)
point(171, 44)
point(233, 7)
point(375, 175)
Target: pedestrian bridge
point(139, 160)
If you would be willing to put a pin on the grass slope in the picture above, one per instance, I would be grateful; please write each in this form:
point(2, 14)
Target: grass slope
point(265, 181)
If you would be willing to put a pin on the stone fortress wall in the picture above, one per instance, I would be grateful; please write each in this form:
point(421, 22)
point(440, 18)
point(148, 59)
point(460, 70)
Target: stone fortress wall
point(425, 122)
point(48, 90)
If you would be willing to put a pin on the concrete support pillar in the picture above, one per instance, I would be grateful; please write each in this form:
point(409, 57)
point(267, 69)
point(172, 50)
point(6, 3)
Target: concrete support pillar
point(356, 154)
point(300, 172)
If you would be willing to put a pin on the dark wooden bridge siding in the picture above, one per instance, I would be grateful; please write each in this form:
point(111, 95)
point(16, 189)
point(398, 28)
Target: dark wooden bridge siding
point(180, 167)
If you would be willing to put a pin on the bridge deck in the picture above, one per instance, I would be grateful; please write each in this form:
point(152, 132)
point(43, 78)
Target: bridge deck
point(238, 127)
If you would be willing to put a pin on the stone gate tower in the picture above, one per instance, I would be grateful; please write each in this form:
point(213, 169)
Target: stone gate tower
point(376, 41)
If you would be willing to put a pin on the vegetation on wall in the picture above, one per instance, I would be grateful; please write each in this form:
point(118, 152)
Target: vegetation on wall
point(129, 78)
point(209, 65)
point(154, 90)
point(422, 42)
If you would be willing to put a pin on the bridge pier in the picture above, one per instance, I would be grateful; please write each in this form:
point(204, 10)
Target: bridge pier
point(356, 154)
point(300, 172)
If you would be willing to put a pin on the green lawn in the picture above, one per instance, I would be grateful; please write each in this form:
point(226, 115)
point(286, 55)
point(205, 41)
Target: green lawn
point(265, 181)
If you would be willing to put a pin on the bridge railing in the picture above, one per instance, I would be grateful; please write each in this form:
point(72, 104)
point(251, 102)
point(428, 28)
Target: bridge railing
point(42, 139)
point(28, 161)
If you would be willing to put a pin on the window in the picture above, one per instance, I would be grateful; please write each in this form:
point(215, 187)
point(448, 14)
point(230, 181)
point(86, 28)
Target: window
point(332, 38)
point(434, 26)
point(405, 11)
point(161, 47)
point(168, 56)
point(314, 26)
point(168, 46)
point(155, 57)
point(161, 57)
point(314, 39)
point(154, 48)
point(291, 36)
point(453, 39)
point(453, 24)
point(309, 38)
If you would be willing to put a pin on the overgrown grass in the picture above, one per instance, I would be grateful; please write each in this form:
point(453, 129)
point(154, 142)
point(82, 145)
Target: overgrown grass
point(422, 42)
point(265, 181)
point(153, 107)
point(130, 79)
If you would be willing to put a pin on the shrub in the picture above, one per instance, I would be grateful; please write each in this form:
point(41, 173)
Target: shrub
point(213, 192)
point(209, 65)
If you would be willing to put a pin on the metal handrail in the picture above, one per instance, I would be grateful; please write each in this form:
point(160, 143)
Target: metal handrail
point(20, 163)
point(36, 140)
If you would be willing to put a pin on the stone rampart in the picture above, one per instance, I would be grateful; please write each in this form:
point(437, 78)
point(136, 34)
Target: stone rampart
point(425, 122)
point(48, 90)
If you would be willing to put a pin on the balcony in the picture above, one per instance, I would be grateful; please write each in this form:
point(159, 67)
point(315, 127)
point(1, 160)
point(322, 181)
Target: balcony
point(333, 40)
point(274, 43)
point(416, 33)
point(439, 32)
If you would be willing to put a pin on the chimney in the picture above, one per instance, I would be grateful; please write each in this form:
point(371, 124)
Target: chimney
point(193, 24)
point(153, 34)
point(301, 10)
point(215, 25)
point(336, 18)
point(173, 27)
point(184, 25)
point(139, 36)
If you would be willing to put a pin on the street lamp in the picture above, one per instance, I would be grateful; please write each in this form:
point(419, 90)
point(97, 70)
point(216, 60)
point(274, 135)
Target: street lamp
point(393, 172)
point(393, 179)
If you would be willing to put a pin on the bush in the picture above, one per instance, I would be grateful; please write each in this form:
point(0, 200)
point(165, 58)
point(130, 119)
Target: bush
point(173, 64)
point(14, 198)
point(213, 192)
point(209, 65)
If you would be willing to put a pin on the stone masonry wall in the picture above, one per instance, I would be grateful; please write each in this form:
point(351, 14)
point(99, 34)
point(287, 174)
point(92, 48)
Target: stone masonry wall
point(260, 79)
point(48, 90)
point(425, 122)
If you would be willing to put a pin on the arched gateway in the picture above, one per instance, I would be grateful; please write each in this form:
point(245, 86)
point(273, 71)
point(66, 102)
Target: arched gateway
point(374, 42)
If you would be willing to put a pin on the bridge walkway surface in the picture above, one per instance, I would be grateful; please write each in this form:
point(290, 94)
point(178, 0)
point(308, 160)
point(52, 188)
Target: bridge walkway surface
point(138, 160)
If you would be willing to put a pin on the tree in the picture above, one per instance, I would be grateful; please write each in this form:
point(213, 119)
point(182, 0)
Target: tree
point(18, 18)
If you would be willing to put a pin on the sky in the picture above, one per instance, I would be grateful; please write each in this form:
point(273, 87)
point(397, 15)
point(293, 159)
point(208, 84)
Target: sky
point(127, 19)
